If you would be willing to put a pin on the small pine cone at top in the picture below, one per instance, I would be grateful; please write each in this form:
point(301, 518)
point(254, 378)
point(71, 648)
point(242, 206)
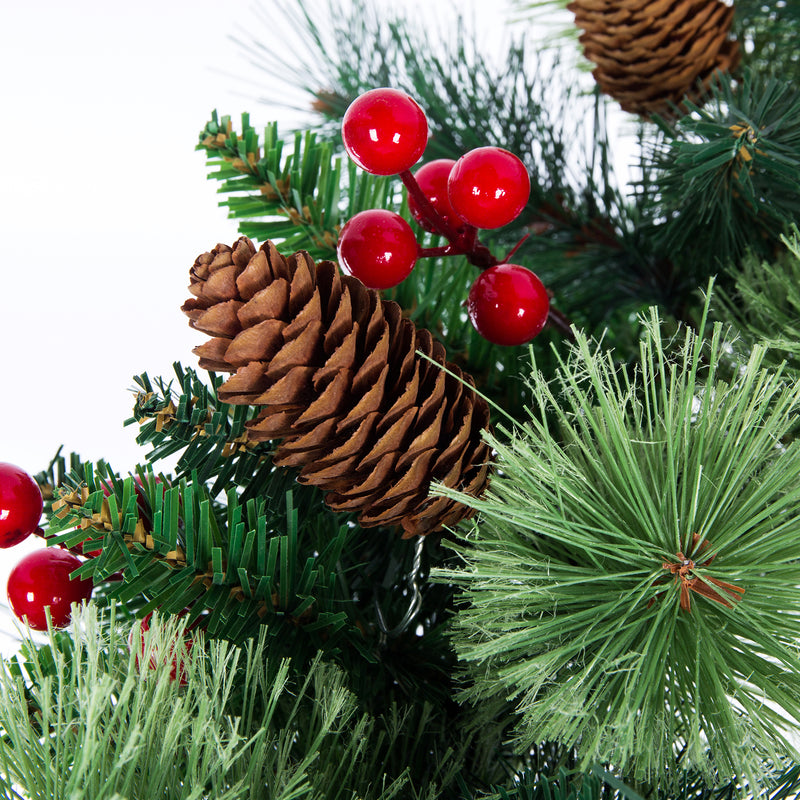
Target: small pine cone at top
point(651, 54)
point(340, 386)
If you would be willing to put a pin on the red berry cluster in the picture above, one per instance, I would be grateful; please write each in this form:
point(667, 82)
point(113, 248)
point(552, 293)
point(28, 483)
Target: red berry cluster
point(41, 579)
point(385, 132)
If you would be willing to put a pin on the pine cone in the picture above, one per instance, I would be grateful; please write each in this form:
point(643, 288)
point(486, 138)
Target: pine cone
point(336, 373)
point(651, 53)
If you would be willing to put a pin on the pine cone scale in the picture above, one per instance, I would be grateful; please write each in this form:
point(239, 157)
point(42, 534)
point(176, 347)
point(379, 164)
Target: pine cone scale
point(390, 441)
point(259, 343)
point(370, 483)
point(370, 401)
point(328, 404)
point(649, 55)
point(268, 304)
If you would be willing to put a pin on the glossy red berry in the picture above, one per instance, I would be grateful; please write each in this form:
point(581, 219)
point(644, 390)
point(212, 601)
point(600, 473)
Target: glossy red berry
point(488, 187)
point(378, 247)
point(41, 579)
point(176, 653)
point(384, 131)
point(432, 180)
point(20, 505)
point(508, 304)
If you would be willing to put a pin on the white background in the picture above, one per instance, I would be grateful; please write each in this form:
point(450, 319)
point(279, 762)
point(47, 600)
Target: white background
point(104, 204)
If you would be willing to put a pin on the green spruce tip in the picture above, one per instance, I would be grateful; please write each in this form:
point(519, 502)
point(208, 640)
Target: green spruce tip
point(289, 192)
point(575, 602)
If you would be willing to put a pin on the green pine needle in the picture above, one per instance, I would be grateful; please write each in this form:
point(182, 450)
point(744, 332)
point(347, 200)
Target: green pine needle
point(727, 173)
point(289, 194)
point(766, 304)
point(570, 609)
point(82, 717)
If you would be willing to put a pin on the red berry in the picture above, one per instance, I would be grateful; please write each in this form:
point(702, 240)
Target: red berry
point(378, 247)
point(20, 505)
point(508, 304)
point(488, 187)
point(42, 579)
point(384, 131)
point(432, 179)
point(177, 652)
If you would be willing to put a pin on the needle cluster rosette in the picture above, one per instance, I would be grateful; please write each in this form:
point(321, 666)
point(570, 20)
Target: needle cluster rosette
point(339, 380)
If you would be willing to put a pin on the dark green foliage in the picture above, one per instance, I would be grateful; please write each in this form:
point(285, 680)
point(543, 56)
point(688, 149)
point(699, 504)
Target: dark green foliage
point(727, 175)
point(769, 32)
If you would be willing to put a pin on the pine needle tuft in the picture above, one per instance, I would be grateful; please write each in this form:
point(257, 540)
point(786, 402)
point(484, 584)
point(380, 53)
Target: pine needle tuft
point(634, 584)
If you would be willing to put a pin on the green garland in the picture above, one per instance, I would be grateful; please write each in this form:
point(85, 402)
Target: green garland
point(83, 717)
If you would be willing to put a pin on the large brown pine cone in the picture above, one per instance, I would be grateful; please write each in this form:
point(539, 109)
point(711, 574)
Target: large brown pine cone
point(653, 53)
point(335, 371)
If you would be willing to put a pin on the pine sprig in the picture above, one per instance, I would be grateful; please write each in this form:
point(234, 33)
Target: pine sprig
point(727, 174)
point(576, 607)
point(240, 564)
point(189, 418)
point(765, 305)
point(296, 198)
point(89, 716)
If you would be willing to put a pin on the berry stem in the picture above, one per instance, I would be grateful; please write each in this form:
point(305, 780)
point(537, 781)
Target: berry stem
point(462, 242)
point(433, 252)
point(560, 322)
point(431, 214)
point(515, 248)
point(466, 242)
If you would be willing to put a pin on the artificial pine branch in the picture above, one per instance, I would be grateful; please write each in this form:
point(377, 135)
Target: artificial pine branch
point(770, 32)
point(300, 194)
point(634, 548)
point(727, 176)
point(352, 33)
point(209, 434)
point(91, 715)
point(225, 561)
point(115, 713)
point(765, 305)
point(574, 607)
